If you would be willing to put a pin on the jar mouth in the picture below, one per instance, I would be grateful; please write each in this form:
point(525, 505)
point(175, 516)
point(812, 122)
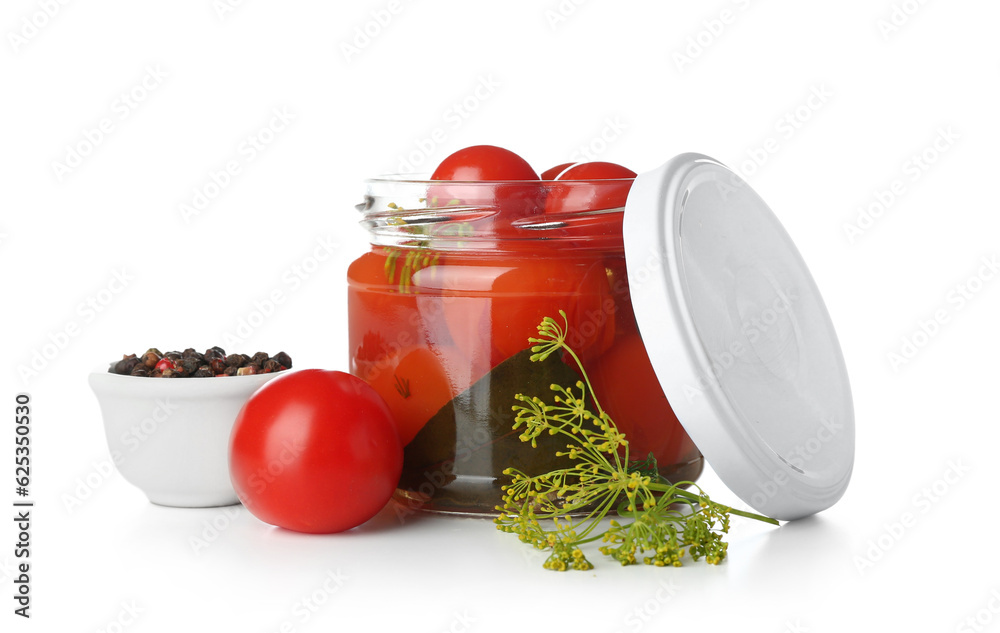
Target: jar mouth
point(406, 210)
point(425, 179)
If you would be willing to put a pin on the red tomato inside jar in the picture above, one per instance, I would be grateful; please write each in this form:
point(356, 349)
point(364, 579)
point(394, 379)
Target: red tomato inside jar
point(459, 275)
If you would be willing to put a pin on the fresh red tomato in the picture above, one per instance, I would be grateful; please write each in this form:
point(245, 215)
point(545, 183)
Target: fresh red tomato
point(553, 172)
point(628, 390)
point(315, 451)
point(586, 192)
point(517, 194)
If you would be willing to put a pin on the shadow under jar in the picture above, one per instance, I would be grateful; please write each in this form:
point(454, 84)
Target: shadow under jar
point(458, 277)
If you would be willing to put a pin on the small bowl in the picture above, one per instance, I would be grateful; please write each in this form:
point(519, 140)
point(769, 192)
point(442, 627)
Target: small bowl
point(170, 436)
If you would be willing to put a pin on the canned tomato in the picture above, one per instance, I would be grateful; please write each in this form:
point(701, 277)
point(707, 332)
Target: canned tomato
point(462, 270)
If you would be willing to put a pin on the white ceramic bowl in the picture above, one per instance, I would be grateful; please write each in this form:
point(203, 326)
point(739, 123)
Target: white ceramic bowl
point(170, 436)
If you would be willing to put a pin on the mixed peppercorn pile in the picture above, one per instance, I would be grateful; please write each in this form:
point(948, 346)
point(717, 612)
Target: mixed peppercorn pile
point(189, 363)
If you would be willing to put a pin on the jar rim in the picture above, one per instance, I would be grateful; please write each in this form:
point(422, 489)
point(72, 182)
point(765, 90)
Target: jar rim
point(482, 215)
point(424, 179)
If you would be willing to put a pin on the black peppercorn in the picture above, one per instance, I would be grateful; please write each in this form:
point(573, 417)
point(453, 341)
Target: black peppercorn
point(203, 372)
point(174, 356)
point(271, 366)
point(218, 365)
point(187, 366)
point(191, 353)
point(284, 359)
point(126, 364)
point(140, 370)
point(230, 371)
point(259, 358)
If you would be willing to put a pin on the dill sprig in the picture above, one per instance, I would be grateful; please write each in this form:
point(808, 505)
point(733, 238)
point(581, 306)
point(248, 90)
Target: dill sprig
point(563, 509)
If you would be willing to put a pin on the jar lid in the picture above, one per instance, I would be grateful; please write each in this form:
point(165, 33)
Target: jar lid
point(739, 337)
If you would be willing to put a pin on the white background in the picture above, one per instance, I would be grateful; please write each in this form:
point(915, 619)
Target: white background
point(555, 81)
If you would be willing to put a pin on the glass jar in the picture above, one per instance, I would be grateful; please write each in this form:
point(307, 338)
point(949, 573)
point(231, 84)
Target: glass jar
point(458, 277)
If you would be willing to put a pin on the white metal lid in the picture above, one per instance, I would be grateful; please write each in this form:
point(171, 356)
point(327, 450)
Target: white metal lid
point(740, 339)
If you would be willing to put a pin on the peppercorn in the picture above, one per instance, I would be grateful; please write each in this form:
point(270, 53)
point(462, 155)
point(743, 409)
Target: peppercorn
point(173, 355)
point(151, 357)
point(191, 353)
point(259, 358)
point(236, 360)
point(140, 370)
point(218, 365)
point(203, 372)
point(187, 366)
point(271, 366)
point(284, 359)
point(125, 365)
point(230, 371)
